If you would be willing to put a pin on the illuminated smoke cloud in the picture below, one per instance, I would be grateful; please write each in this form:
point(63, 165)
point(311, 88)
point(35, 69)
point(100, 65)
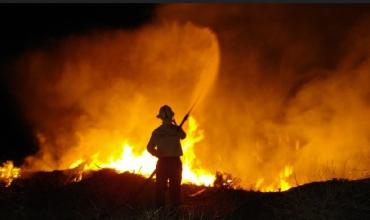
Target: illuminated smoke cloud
point(92, 92)
point(292, 92)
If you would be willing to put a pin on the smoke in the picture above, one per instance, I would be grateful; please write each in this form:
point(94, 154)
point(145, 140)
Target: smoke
point(291, 90)
point(92, 93)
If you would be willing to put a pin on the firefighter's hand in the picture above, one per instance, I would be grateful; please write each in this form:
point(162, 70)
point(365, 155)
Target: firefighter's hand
point(174, 122)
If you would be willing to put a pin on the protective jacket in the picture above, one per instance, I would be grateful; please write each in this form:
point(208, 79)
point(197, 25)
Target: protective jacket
point(165, 141)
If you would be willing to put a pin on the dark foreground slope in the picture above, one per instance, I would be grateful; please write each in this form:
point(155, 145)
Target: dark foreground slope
point(108, 195)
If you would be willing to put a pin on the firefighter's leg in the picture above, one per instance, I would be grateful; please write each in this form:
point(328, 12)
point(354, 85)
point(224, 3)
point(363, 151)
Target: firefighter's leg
point(161, 184)
point(175, 183)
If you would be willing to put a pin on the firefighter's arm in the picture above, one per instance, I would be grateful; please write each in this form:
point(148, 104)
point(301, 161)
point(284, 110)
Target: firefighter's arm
point(182, 133)
point(151, 146)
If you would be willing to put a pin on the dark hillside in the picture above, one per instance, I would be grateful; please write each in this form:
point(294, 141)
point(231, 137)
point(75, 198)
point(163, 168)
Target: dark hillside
point(107, 195)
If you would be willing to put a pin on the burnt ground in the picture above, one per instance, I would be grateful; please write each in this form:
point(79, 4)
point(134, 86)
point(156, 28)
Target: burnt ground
point(108, 195)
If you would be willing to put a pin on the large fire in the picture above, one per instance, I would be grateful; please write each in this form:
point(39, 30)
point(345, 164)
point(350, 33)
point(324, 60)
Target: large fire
point(277, 109)
point(127, 160)
point(143, 163)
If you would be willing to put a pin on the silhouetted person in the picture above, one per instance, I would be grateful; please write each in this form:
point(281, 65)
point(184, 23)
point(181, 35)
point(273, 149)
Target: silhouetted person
point(165, 144)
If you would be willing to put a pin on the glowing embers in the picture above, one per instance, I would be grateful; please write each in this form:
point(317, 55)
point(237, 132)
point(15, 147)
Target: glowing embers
point(8, 172)
point(144, 164)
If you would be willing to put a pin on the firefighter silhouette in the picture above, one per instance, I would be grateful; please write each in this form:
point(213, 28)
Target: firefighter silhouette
point(165, 144)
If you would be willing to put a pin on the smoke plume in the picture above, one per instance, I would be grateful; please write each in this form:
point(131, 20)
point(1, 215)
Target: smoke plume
point(92, 93)
point(293, 90)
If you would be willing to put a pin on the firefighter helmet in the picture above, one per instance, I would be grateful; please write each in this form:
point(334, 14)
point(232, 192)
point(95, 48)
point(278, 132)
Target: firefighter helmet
point(165, 113)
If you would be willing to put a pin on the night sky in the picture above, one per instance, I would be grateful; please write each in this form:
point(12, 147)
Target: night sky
point(25, 27)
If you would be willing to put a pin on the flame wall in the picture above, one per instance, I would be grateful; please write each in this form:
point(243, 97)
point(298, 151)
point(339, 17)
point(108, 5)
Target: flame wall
point(291, 100)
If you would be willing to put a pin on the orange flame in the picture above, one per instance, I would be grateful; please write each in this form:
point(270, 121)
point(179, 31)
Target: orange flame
point(127, 160)
point(282, 182)
point(143, 163)
point(8, 172)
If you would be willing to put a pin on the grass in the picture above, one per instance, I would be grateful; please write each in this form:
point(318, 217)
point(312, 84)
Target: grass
point(331, 200)
point(105, 194)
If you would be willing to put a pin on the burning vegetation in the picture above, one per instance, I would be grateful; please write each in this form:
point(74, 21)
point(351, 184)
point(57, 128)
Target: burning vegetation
point(8, 172)
point(143, 163)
